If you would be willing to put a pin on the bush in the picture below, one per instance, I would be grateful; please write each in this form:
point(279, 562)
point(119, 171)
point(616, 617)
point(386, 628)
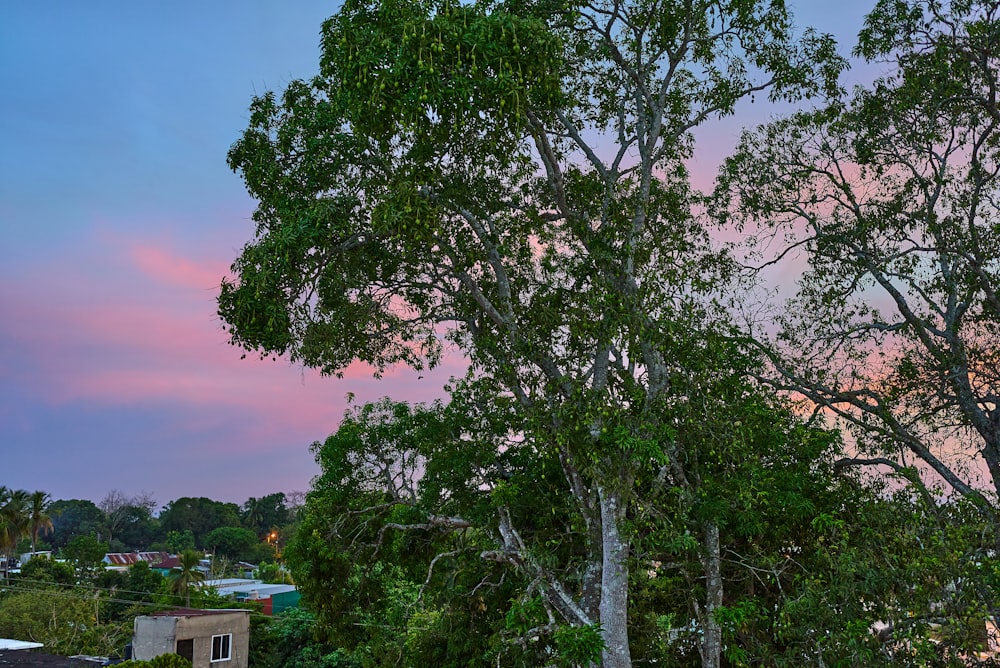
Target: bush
point(161, 661)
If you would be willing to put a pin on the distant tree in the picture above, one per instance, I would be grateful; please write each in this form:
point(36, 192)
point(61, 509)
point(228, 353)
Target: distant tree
point(143, 580)
point(199, 515)
point(39, 520)
point(274, 574)
point(176, 542)
point(252, 514)
point(262, 514)
point(138, 528)
point(232, 542)
point(119, 508)
point(42, 569)
point(86, 553)
point(74, 517)
point(186, 574)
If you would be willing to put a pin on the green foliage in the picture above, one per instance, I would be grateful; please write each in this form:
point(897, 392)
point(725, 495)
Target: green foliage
point(137, 529)
point(74, 517)
point(199, 516)
point(362, 553)
point(86, 552)
point(44, 569)
point(232, 542)
point(289, 641)
point(161, 661)
point(579, 646)
point(186, 574)
point(265, 514)
point(15, 520)
point(179, 541)
point(129, 592)
point(273, 574)
point(64, 620)
point(511, 178)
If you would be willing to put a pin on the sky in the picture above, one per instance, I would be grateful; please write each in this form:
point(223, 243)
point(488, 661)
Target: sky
point(118, 219)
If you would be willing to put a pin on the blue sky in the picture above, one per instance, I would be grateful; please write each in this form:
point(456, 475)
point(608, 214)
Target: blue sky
point(119, 217)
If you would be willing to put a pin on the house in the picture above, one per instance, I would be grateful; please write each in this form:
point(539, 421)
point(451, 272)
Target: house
point(273, 598)
point(171, 561)
point(208, 638)
point(123, 560)
point(23, 653)
point(28, 556)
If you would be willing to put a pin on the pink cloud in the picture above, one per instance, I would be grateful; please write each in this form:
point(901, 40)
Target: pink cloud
point(171, 269)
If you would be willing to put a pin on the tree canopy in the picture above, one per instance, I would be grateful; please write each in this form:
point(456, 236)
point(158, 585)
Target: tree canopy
point(508, 179)
point(891, 195)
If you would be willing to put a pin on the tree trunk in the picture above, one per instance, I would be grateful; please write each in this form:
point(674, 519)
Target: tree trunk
point(614, 582)
point(711, 644)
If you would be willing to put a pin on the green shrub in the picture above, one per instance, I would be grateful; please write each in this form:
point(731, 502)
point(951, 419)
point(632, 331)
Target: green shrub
point(161, 661)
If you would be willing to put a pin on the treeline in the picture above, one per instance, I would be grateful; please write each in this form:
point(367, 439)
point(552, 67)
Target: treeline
point(75, 605)
point(253, 531)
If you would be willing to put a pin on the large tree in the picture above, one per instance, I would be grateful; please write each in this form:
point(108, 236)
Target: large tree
point(199, 515)
point(510, 176)
point(74, 517)
point(892, 198)
point(120, 510)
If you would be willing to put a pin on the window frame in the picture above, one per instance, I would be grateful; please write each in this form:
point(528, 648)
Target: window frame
point(225, 642)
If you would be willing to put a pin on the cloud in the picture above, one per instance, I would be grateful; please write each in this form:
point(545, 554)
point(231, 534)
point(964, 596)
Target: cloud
point(170, 268)
point(144, 331)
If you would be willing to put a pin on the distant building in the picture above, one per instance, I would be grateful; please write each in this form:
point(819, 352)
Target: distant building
point(28, 556)
point(123, 560)
point(273, 598)
point(208, 638)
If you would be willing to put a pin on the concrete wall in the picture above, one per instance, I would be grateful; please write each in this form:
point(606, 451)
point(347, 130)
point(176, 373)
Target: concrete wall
point(153, 636)
point(159, 635)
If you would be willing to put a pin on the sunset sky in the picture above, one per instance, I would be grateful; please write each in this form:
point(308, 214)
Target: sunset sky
point(119, 218)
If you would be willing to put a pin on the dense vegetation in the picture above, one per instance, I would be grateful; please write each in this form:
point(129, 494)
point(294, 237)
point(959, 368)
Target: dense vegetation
point(73, 605)
point(652, 459)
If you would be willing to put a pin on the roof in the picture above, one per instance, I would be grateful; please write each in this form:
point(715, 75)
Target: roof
point(167, 562)
point(129, 558)
point(263, 590)
point(29, 658)
point(8, 644)
point(229, 583)
point(196, 612)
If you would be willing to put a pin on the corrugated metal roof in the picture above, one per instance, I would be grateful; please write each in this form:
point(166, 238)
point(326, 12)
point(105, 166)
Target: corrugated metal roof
point(129, 558)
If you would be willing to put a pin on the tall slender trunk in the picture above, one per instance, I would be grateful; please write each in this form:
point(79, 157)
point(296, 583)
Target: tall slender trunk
point(711, 561)
point(614, 582)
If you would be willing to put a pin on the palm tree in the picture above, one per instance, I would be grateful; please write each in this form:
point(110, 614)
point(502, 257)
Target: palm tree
point(253, 514)
point(185, 574)
point(39, 521)
point(13, 521)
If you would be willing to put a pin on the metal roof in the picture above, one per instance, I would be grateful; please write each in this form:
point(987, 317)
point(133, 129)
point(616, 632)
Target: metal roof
point(8, 644)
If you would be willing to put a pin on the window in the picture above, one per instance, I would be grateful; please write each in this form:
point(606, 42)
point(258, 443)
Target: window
point(222, 647)
point(186, 648)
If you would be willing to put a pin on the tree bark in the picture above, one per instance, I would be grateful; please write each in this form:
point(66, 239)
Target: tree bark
point(711, 644)
point(614, 582)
